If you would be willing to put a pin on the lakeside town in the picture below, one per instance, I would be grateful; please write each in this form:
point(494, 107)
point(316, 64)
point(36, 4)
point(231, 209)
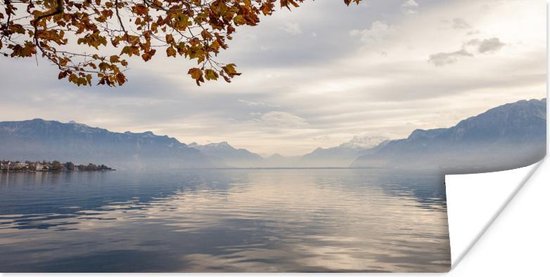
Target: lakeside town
point(49, 166)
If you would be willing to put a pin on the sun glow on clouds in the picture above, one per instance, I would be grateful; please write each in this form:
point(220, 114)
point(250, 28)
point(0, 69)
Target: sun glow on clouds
point(322, 71)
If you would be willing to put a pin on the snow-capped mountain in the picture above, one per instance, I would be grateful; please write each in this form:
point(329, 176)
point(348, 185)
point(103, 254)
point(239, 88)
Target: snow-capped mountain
point(342, 155)
point(363, 142)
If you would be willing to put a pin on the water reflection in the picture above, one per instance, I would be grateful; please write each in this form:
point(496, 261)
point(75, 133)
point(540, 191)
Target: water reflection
point(223, 220)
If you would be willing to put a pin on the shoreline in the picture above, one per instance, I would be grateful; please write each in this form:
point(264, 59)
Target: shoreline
point(8, 166)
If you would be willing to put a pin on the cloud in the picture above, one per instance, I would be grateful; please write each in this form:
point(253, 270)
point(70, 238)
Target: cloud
point(488, 45)
point(409, 6)
point(377, 32)
point(483, 46)
point(459, 23)
point(441, 59)
point(292, 28)
point(255, 103)
point(282, 120)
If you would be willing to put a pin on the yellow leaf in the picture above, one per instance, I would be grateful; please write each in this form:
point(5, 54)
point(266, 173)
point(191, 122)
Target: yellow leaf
point(195, 73)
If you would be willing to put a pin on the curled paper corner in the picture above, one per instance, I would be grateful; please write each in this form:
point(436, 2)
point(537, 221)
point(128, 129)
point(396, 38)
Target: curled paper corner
point(474, 201)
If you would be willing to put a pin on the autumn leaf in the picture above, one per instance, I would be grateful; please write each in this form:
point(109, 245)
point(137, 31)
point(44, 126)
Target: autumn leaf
point(195, 73)
point(211, 74)
point(140, 9)
point(231, 70)
point(171, 52)
point(114, 59)
point(120, 78)
point(170, 38)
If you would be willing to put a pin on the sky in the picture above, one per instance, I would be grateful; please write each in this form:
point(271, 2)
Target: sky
point(318, 76)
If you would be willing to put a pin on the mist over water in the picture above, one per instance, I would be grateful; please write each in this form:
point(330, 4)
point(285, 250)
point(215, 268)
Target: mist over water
point(224, 220)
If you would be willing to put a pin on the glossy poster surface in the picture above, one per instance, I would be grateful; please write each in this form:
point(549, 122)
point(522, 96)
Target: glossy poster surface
point(328, 154)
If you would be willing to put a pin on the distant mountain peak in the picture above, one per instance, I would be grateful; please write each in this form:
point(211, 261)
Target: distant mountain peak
point(223, 144)
point(214, 145)
point(425, 134)
point(227, 155)
point(149, 134)
point(364, 142)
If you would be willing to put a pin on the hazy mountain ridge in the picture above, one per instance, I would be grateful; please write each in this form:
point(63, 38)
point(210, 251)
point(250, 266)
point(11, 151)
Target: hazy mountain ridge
point(342, 155)
point(39, 139)
point(224, 155)
point(505, 137)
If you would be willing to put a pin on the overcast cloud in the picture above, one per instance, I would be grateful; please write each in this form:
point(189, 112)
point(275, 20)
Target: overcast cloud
point(317, 77)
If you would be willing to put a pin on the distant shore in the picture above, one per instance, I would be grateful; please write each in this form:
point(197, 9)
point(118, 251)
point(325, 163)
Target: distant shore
point(49, 166)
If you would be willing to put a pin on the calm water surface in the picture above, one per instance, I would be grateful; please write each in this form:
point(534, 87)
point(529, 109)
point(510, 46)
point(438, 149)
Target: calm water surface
point(223, 220)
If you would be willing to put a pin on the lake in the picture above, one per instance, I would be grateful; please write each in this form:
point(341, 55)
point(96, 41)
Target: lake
point(254, 220)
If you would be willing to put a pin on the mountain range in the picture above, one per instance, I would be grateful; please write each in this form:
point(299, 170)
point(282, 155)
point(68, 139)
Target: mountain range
point(507, 136)
point(39, 139)
point(343, 154)
point(223, 154)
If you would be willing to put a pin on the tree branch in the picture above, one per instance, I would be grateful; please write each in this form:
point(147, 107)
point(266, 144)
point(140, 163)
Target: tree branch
point(58, 10)
point(120, 19)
